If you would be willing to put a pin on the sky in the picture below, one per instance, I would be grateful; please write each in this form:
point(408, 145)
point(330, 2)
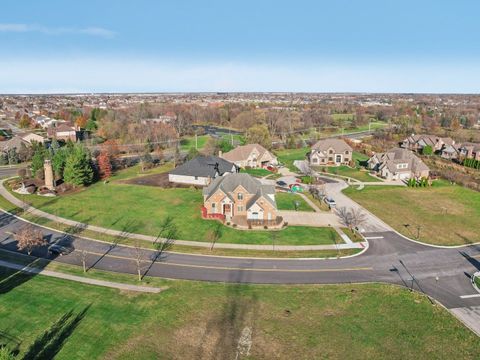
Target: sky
point(55, 46)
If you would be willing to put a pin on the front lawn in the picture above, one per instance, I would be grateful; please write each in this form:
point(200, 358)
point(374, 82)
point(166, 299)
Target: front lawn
point(206, 320)
point(257, 172)
point(442, 214)
point(286, 201)
point(288, 156)
point(355, 173)
point(143, 209)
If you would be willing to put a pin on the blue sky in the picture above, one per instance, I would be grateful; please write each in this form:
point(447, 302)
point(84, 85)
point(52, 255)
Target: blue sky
point(370, 45)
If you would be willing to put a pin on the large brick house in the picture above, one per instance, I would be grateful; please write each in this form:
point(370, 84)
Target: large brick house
point(250, 155)
point(238, 198)
point(398, 164)
point(330, 152)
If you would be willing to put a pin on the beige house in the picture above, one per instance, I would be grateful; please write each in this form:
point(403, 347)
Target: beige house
point(250, 155)
point(63, 132)
point(240, 198)
point(418, 142)
point(330, 152)
point(470, 151)
point(398, 164)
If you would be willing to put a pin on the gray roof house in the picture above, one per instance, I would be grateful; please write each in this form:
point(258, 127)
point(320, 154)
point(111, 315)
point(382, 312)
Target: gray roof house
point(398, 164)
point(201, 170)
point(418, 142)
point(330, 152)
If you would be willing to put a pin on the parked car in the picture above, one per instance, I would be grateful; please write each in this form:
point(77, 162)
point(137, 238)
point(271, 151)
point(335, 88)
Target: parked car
point(59, 250)
point(281, 183)
point(330, 202)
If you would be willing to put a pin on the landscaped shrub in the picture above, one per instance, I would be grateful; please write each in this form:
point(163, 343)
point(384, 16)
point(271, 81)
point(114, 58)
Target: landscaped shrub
point(265, 227)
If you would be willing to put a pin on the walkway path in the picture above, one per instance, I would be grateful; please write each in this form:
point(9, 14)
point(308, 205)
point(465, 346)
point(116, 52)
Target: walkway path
point(117, 233)
point(84, 280)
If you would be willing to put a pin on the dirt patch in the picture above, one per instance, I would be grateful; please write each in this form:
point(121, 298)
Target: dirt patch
point(158, 180)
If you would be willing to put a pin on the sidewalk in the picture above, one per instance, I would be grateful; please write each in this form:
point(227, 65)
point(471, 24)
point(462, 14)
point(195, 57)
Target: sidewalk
point(58, 275)
point(34, 211)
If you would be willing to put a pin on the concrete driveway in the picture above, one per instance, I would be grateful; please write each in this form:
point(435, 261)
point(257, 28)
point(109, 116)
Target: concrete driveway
point(309, 218)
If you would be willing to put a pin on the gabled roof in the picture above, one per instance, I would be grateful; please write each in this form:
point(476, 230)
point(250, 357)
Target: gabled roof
point(338, 145)
point(395, 156)
point(228, 184)
point(243, 152)
point(204, 166)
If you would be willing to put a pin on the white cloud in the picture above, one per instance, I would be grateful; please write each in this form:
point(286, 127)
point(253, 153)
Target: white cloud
point(23, 28)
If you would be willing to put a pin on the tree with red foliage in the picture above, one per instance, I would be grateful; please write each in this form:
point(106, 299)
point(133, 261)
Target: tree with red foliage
point(104, 165)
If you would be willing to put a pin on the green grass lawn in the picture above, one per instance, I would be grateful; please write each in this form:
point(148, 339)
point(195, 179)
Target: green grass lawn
point(205, 321)
point(355, 173)
point(189, 142)
point(258, 172)
point(447, 214)
point(143, 209)
point(358, 172)
point(286, 201)
point(288, 156)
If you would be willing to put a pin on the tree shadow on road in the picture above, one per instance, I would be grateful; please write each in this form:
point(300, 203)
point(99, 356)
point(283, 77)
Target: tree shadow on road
point(471, 260)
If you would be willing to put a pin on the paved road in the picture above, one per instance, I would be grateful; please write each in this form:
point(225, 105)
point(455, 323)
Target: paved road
point(390, 258)
point(6, 171)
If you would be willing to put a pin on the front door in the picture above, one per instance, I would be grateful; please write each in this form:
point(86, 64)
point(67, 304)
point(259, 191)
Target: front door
point(227, 209)
point(338, 158)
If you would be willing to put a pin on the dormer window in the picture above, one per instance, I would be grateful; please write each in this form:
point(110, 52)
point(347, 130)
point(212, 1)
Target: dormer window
point(240, 196)
point(330, 151)
point(346, 152)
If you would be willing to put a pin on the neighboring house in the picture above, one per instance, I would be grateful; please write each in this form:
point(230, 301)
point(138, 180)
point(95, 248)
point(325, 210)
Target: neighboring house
point(469, 151)
point(251, 155)
point(450, 152)
point(398, 164)
point(239, 198)
point(63, 132)
point(201, 170)
point(32, 137)
point(330, 152)
point(418, 142)
point(13, 143)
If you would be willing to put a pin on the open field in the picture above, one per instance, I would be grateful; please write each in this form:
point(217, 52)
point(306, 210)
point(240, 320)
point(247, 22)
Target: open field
point(204, 320)
point(189, 142)
point(443, 214)
point(143, 209)
point(286, 201)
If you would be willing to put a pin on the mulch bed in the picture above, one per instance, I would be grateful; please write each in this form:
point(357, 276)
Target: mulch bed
point(158, 180)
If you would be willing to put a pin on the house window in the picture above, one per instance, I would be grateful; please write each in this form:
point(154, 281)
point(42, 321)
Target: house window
point(330, 158)
point(240, 196)
point(240, 208)
point(402, 166)
point(346, 152)
point(315, 160)
point(323, 160)
point(213, 206)
point(196, 177)
point(330, 151)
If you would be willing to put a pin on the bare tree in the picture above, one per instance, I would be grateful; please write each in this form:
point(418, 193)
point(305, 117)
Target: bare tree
point(29, 238)
point(352, 217)
point(84, 260)
point(138, 257)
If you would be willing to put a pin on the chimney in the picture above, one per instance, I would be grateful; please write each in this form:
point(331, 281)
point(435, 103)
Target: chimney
point(47, 168)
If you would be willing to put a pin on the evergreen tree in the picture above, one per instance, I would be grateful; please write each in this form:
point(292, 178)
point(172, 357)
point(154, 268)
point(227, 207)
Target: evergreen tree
point(38, 159)
point(78, 167)
point(58, 161)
